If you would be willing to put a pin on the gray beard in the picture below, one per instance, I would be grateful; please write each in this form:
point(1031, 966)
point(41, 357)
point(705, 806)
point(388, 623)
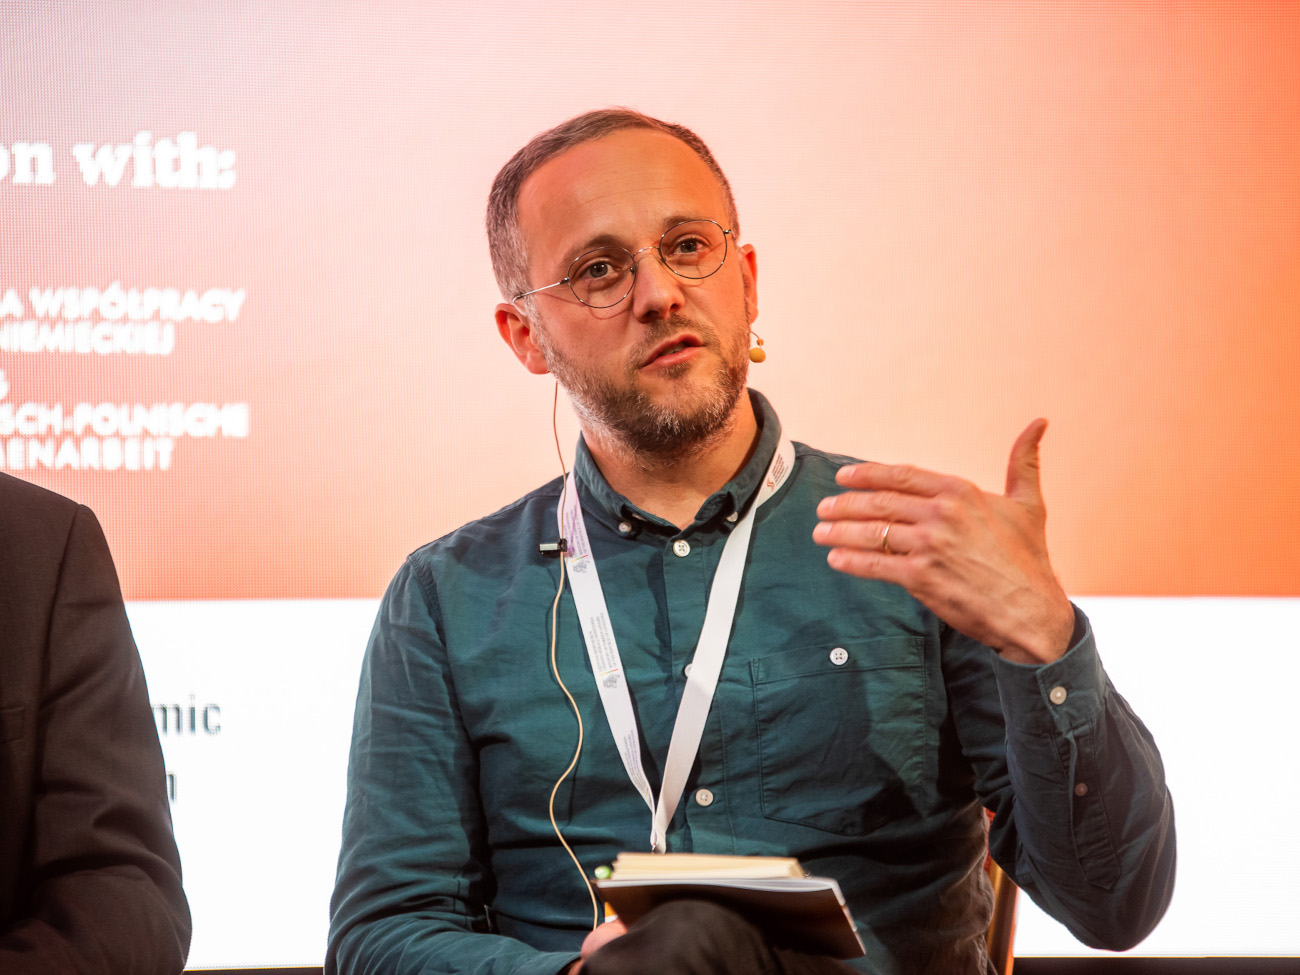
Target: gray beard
point(635, 422)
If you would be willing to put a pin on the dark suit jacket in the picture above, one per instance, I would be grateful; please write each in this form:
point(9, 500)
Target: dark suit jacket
point(90, 878)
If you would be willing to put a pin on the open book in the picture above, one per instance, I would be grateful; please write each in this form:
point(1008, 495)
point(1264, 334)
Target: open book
point(775, 893)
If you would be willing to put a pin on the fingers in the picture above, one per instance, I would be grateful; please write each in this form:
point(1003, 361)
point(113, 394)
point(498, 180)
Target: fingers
point(1023, 467)
point(885, 537)
point(869, 564)
point(902, 478)
point(882, 516)
point(870, 549)
point(883, 506)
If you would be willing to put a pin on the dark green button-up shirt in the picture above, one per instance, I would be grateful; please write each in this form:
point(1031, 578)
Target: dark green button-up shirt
point(851, 728)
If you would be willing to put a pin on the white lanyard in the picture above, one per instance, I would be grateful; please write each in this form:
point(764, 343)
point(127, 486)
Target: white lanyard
point(706, 664)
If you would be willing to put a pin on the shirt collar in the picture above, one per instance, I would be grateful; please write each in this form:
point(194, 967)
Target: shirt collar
point(733, 497)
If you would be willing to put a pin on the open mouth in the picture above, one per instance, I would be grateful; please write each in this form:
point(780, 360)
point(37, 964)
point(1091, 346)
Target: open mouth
point(670, 350)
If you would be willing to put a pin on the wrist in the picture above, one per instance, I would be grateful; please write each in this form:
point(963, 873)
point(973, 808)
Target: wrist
point(1045, 642)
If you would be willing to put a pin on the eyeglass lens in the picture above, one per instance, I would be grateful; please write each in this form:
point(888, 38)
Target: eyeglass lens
point(603, 276)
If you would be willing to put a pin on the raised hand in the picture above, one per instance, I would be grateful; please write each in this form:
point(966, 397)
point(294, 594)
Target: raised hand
point(977, 560)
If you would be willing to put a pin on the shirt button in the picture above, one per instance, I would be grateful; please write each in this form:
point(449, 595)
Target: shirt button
point(839, 656)
point(624, 527)
point(1081, 789)
point(1057, 694)
point(704, 797)
point(733, 517)
point(687, 670)
point(681, 548)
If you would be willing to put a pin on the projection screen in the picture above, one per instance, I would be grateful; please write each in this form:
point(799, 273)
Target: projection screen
point(246, 315)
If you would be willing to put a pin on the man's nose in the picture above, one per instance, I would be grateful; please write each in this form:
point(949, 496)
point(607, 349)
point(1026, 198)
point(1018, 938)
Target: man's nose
point(656, 290)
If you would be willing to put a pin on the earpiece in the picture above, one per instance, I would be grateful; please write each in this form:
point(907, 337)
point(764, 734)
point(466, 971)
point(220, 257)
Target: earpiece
point(757, 354)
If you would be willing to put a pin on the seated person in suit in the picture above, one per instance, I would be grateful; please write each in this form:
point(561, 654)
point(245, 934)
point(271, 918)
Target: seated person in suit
point(90, 879)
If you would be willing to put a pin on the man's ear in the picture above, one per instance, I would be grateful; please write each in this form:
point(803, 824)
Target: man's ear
point(517, 332)
point(749, 272)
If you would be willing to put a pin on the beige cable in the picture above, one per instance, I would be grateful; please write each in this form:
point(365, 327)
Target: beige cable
point(555, 619)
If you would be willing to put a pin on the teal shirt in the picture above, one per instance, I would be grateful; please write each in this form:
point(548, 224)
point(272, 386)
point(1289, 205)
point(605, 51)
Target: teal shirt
point(874, 770)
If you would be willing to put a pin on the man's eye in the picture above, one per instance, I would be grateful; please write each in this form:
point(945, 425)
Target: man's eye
point(598, 274)
point(690, 252)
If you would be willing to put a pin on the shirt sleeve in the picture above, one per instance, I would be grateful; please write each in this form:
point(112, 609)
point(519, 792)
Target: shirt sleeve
point(105, 892)
point(1083, 821)
point(412, 880)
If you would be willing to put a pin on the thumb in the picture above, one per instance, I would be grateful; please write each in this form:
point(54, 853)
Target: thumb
point(1022, 468)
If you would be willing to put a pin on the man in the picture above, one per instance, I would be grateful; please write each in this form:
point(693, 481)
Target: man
point(90, 880)
point(868, 702)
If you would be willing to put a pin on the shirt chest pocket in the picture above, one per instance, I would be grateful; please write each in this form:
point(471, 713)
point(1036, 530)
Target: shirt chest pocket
point(841, 733)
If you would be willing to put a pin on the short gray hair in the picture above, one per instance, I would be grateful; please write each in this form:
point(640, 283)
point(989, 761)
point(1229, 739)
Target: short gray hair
point(506, 243)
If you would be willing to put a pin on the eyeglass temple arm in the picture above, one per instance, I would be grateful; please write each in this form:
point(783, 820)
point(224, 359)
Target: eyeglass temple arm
point(545, 287)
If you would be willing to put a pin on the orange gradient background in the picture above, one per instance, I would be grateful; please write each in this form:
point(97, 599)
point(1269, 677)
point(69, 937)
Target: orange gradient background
point(966, 216)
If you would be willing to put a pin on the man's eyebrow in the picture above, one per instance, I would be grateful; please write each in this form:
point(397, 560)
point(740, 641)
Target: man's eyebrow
point(600, 240)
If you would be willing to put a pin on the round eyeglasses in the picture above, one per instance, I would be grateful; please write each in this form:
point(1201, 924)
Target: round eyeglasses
point(603, 276)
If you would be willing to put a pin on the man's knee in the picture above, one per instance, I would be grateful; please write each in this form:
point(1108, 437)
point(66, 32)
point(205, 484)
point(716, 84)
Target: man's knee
point(695, 917)
point(685, 936)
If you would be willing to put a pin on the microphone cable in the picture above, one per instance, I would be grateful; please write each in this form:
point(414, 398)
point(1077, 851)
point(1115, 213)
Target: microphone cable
point(555, 670)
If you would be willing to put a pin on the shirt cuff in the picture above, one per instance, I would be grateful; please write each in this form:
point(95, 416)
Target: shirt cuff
point(1054, 698)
